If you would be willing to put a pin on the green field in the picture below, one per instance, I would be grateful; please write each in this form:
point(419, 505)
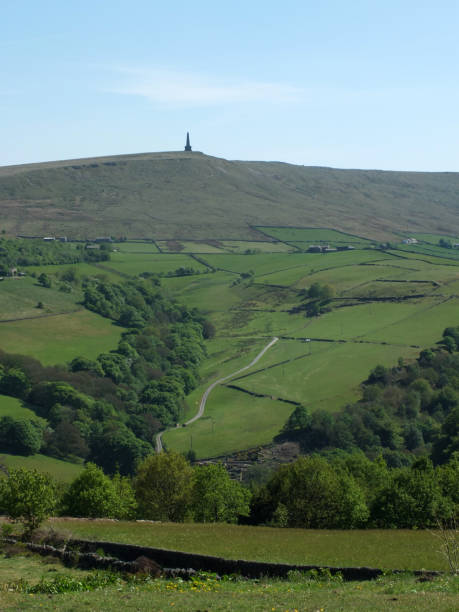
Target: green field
point(391, 549)
point(62, 471)
point(98, 271)
point(234, 246)
point(19, 299)
point(135, 247)
point(58, 339)
point(312, 235)
point(233, 421)
point(134, 264)
point(388, 304)
point(13, 407)
point(433, 238)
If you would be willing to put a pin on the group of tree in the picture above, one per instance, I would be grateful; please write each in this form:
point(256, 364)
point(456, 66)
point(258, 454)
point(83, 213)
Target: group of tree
point(347, 491)
point(405, 411)
point(165, 487)
point(37, 252)
point(315, 300)
point(343, 491)
point(108, 410)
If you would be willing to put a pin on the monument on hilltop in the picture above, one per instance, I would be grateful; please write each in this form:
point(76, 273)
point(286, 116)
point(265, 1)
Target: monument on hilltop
point(187, 146)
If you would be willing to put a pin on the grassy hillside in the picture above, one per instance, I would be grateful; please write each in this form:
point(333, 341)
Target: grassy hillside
point(62, 471)
point(194, 196)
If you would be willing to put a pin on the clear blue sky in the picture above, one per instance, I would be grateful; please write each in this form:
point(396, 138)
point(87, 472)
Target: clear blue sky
point(357, 84)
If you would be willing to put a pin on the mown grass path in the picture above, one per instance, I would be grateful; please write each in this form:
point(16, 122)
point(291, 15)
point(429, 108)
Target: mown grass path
point(202, 404)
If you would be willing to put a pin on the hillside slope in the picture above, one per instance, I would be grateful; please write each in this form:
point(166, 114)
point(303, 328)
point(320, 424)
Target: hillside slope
point(177, 194)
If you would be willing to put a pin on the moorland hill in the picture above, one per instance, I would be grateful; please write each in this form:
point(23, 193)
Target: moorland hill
point(192, 195)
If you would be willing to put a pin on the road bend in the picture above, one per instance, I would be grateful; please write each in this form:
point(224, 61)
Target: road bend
point(205, 396)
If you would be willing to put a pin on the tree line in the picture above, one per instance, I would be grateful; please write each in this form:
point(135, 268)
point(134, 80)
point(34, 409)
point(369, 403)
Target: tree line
point(36, 252)
point(344, 492)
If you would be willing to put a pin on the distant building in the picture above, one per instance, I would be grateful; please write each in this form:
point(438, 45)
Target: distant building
point(49, 238)
point(321, 248)
point(104, 239)
point(410, 241)
point(187, 145)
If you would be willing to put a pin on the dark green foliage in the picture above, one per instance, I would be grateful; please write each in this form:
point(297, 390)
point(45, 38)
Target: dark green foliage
point(13, 381)
point(413, 497)
point(44, 280)
point(19, 253)
point(20, 437)
point(315, 300)
point(117, 449)
point(350, 491)
point(314, 495)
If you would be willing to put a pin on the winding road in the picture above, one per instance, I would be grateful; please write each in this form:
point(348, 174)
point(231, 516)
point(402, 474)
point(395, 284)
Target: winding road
point(202, 405)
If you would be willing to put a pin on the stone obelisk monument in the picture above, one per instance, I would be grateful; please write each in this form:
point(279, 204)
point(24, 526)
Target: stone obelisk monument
point(187, 146)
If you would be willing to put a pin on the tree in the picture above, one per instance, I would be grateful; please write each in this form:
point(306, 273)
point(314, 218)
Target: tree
point(315, 495)
point(28, 497)
point(413, 498)
point(20, 437)
point(217, 498)
point(44, 280)
point(163, 487)
point(93, 494)
point(299, 419)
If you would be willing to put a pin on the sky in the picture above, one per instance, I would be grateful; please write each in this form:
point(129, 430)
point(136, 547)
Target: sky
point(357, 84)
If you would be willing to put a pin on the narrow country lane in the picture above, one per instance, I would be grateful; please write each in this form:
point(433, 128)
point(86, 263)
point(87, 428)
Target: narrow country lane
point(202, 405)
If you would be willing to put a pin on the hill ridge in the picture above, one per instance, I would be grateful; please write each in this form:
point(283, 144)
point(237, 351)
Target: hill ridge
point(144, 194)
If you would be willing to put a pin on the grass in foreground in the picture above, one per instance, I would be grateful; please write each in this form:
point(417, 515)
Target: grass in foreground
point(206, 593)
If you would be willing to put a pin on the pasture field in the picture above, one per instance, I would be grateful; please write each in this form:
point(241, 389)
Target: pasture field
point(430, 249)
point(65, 589)
point(365, 319)
point(136, 247)
point(190, 246)
point(434, 238)
point(204, 291)
point(82, 270)
point(312, 235)
point(424, 328)
point(62, 471)
point(233, 421)
point(13, 407)
point(235, 246)
point(327, 378)
point(133, 264)
point(389, 549)
point(19, 298)
point(248, 312)
point(375, 332)
point(58, 339)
